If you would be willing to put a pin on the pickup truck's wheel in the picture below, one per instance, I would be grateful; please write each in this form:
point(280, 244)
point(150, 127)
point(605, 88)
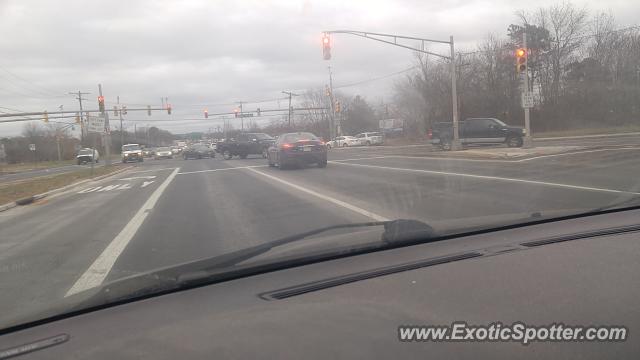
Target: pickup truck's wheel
point(345, 145)
point(322, 164)
point(445, 144)
point(226, 154)
point(243, 156)
point(264, 153)
point(368, 143)
point(328, 146)
point(514, 141)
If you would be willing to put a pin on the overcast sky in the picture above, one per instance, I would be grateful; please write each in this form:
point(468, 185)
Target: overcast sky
point(209, 54)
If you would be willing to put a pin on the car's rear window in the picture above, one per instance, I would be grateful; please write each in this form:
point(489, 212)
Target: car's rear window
point(299, 137)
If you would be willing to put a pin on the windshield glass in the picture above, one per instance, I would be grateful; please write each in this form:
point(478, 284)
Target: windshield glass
point(298, 137)
point(368, 130)
point(131, 147)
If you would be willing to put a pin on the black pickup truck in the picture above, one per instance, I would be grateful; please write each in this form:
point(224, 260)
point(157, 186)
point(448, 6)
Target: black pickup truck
point(245, 144)
point(477, 131)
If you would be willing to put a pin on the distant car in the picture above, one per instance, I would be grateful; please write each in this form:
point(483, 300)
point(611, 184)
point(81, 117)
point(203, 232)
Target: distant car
point(297, 149)
point(147, 152)
point(163, 153)
point(370, 138)
point(477, 131)
point(343, 141)
point(132, 152)
point(198, 151)
point(85, 155)
point(176, 150)
point(245, 144)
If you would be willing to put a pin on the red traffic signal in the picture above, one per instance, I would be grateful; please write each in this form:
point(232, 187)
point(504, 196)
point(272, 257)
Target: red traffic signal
point(521, 60)
point(101, 103)
point(206, 113)
point(236, 111)
point(169, 109)
point(326, 47)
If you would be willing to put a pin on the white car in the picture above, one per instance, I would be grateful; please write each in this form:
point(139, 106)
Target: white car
point(343, 141)
point(85, 155)
point(132, 152)
point(163, 153)
point(370, 138)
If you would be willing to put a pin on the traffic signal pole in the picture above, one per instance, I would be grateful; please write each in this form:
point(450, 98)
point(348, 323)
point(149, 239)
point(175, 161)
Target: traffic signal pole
point(527, 142)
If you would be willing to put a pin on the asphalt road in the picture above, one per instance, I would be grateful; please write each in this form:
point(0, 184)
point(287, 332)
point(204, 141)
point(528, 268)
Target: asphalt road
point(170, 211)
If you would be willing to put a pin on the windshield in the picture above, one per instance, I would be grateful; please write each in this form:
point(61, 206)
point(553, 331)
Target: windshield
point(131, 148)
point(368, 101)
point(290, 138)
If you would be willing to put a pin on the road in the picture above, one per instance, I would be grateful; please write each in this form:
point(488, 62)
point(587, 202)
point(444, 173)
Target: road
point(170, 211)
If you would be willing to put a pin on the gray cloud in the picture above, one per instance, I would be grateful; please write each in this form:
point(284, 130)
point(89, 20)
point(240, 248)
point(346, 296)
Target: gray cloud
point(200, 52)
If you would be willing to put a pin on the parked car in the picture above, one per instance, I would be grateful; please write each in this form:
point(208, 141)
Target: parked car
point(299, 148)
point(477, 131)
point(86, 155)
point(370, 138)
point(245, 144)
point(163, 153)
point(198, 151)
point(343, 141)
point(176, 150)
point(132, 152)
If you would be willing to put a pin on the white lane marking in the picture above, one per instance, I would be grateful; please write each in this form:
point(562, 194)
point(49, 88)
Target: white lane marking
point(108, 188)
point(577, 152)
point(151, 170)
point(88, 190)
point(363, 158)
point(224, 169)
point(588, 136)
point(98, 271)
point(147, 183)
point(330, 199)
point(124, 187)
point(485, 177)
point(138, 178)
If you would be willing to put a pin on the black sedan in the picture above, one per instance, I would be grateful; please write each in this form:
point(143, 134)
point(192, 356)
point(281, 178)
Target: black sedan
point(300, 148)
point(198, 152)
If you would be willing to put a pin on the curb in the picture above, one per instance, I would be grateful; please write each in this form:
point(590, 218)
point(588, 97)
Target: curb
point(30, 199)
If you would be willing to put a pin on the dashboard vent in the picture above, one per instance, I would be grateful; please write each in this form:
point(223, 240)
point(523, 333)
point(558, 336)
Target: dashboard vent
point(603, 232)
point(364, 275)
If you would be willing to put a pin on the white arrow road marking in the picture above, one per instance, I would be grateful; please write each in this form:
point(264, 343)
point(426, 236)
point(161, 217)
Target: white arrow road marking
point(146, 183)
point(139, 177)
point(88, 190)
point(124, 187)
point(109, 187)
point(100, 268)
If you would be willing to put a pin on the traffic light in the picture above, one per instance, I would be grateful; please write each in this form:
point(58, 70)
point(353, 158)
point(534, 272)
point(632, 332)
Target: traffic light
point(169, 109)
point(124, 110)
point(101, 104)
point(236, 111)
point(327, 91)
point(148, 110)
point(521, 60)
point(46, 117)
point(338, 109)
point(115, 111)
point(258, 111)
point(206, 113)
point(326, 47)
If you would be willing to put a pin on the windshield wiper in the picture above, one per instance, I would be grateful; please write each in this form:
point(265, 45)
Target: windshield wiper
point(164, 280)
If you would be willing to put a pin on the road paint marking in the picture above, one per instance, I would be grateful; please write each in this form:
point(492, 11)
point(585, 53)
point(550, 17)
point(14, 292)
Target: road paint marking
point(98, 271)
point(109, 187)
point(363, 158)
point(330, 199)
point(124, 187)
point(577, 152)
point(224, 169)
point(147, 183)
point(151, 170)
point(139, 177)
point(485, 177)
point(88, 190)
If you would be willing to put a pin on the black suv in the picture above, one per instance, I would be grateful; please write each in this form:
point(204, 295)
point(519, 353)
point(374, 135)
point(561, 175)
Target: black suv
point(245, 144)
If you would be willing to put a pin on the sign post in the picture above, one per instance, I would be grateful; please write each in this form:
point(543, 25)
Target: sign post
point(95, 124)
point(32, 148)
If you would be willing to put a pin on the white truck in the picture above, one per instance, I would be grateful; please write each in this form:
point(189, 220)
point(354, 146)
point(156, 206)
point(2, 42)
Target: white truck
point(132, 152)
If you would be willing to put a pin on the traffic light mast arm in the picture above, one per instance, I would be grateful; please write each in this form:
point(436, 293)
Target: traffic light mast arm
point(370, 35)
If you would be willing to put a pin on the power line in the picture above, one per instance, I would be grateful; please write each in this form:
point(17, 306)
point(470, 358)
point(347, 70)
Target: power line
point(377, 78)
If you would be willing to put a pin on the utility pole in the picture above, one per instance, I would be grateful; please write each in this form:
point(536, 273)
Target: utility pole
point(455, 144)
point(290, 108)
point(241, 118)
point(61, 107)
point(121, 129)
point(79, 98)
point(107, 135)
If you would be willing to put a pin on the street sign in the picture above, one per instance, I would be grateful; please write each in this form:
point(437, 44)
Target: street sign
point(96, 124)
point(527, 100)
point(32, 147)
point(243, 115)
